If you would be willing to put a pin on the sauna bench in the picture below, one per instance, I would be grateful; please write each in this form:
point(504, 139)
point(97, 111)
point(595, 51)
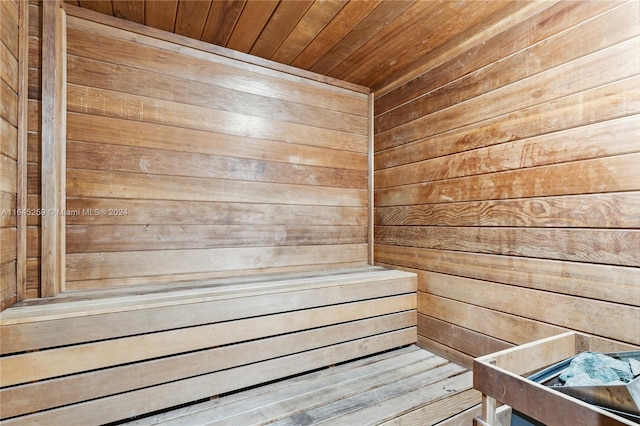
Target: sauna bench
point(104, 356)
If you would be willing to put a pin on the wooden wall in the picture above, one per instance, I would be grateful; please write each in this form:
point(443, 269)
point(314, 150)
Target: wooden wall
point(508, 177)
point(184, 164)
point(10, 83)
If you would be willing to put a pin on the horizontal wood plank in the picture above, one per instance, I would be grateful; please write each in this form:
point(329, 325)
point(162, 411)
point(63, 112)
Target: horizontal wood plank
point(610, 138)
point(32, 328)
point(130, 282)
point(508, 39)
point(506, 327)
point(614, 174)
point(100, 41)
point(103, 382)
point(437, 401)
point(8, 285)
point(8, 68)
point(9, 106)
point(46, 364)
point(520, 95)
point(95, 156)
point(444, 351)
point(8, 138)
point(257, 64)
point(612, 247)
point(86, 239)
point(73, 304)
point(89, 183)
point(154, 398)
point(602, 282)
point(108, 76)
point(469, 342)
point(9, 21)
point(614, 210)
point(589, 37)
point(310, 383)
point(96, 266)
point(90, 100)
point(96, 211)
point(8, 242)
point(8, 214)
point(116, 131)
point(8, 175)
point(615, 100)
point(563, 310)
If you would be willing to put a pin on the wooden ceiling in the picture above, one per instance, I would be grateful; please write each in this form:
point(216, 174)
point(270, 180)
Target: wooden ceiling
point(367, 42)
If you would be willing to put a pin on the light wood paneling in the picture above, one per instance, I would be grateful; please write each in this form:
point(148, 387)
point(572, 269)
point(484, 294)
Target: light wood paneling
point(209, 132)
point(506, 176)
point(577, 75)
point(324, 119)
point(518, 48)
point(615, 100)
point(119, 78)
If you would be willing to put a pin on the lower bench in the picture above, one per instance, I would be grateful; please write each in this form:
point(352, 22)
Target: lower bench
point(94, 358)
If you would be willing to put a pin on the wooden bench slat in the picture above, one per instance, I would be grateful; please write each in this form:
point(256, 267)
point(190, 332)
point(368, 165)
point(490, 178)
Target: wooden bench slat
point(31, 366)
point(105, 382)
point(155, 398)
point(119, 354)
point(83, 303)
point(42, 334)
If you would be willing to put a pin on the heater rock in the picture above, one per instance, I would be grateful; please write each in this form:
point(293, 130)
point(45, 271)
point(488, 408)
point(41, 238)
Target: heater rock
point(592, 369)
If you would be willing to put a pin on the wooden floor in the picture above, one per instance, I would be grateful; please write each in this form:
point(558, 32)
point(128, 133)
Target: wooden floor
point(407, 386)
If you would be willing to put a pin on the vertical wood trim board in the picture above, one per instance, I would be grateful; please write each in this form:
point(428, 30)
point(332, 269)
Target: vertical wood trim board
point(256, 170)
point(53, 149)
point(33, 160)
point(507, 178)
point(23, 114)
point(370, 219)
